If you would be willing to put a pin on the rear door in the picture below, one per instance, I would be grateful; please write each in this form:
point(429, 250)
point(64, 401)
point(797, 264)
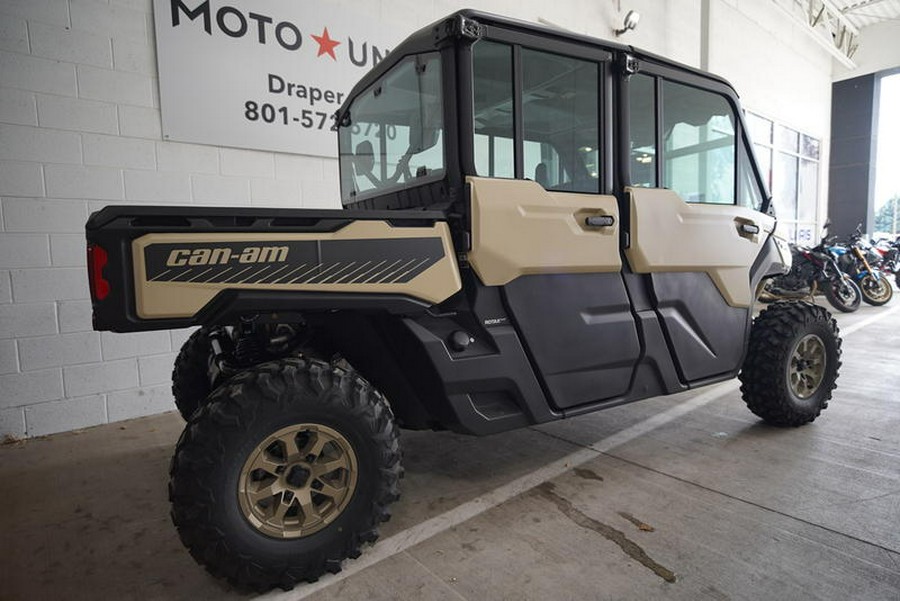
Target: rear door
point(692, 200)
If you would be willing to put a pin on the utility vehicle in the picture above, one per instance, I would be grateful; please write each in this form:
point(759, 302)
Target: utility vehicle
point(536, 225)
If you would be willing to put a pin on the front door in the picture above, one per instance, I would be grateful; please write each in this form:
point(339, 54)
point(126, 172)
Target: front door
point(695, 229)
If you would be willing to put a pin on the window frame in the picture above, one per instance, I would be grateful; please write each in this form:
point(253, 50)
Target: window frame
point(571, 49)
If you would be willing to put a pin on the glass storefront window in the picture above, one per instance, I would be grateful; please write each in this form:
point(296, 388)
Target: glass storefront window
point(784, 185)
point(786, 138)
point(790, 161)
point(760, 129)
point(809, 147)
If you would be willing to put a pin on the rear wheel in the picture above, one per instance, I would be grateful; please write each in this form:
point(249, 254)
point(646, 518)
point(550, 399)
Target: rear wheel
point(792, 363)
point(876, 290)
point(843, 294)
point(284, 473)
point(190, 376)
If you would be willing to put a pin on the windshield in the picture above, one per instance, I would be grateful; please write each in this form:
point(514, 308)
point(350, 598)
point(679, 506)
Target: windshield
point(393, 137)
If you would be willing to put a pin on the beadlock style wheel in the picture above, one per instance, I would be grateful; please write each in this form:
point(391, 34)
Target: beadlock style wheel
point(806, 368)
point(298, 480)
point(287, 470)
point(792, 362)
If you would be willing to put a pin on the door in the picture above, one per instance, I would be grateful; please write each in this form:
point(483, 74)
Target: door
point(695, 226)
point(545, 226)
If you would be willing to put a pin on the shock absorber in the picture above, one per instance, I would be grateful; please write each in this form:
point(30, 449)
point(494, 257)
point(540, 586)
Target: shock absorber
point(250, 347)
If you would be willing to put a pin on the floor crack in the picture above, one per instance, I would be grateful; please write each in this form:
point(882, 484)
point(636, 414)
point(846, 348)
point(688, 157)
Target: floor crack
point(631, 548)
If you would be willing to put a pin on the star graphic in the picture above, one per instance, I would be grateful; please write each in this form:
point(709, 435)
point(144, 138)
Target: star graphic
point(326, 44)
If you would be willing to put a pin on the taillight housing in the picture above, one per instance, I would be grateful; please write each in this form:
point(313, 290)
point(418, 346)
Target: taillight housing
point(96, 261)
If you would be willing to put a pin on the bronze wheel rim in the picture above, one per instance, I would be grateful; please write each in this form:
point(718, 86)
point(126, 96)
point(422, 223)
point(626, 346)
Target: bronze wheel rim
point(806, 369)
point(297, 481)
point(879, 289)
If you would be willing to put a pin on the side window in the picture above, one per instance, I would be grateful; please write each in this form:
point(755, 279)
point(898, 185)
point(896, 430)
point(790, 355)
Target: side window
point(560, 114)
point(493, 109)
point(749, 194)
point(699, 144)
point(560, 117)
point(642, 128)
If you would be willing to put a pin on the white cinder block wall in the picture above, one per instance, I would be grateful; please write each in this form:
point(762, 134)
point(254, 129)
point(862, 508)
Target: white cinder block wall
point(80, 129)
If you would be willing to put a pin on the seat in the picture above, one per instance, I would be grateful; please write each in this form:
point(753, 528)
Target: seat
point(541, 176)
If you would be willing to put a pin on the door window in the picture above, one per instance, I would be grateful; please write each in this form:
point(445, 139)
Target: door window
point(560, 120)
point(492, 64)
point(699, 144)
point(560, 113)
point(642, 126)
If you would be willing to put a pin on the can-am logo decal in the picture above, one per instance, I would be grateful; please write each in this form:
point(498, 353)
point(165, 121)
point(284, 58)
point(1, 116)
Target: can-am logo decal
point(292, 262)
point(179, 257)
point(267, 29)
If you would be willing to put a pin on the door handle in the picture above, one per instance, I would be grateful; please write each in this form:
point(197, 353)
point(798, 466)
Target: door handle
point(749, 228)
point(600, 221)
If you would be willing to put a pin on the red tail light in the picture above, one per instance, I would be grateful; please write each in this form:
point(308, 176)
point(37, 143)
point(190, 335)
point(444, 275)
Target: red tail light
point(96, 260)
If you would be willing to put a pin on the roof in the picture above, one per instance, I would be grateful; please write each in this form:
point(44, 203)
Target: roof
point(862, 13)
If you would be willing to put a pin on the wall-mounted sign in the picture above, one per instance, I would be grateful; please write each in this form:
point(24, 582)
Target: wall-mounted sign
point(263, 74)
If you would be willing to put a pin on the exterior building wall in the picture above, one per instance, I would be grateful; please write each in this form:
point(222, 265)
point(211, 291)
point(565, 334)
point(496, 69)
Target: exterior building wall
point(80, 129)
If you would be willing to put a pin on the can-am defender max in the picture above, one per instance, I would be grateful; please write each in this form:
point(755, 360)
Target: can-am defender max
point(536, 225)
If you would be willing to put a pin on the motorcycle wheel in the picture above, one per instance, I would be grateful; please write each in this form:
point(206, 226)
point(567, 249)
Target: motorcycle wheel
point(876, 290)
point(844, 295)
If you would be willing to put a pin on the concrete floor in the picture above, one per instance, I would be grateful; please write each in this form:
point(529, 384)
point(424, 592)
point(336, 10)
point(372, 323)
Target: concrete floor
point(705, 503)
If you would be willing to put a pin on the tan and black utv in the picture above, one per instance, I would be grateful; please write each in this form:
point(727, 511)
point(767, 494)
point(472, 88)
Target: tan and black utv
point(536, 225)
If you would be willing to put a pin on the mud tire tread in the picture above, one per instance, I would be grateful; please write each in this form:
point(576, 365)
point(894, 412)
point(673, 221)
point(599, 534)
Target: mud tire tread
point(764, 384)
point(190, 376)
point(283, 386)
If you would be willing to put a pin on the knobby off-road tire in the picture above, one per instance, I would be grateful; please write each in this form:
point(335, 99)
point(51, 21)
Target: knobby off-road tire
point(792, 363)
point(876, 291)
point(322, 434)
point(190, 376)
point(844, 295)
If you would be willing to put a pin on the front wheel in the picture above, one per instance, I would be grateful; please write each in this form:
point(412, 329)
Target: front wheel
point(843, 294)
point(792, 363)
point(284, 473)
point(876, 290)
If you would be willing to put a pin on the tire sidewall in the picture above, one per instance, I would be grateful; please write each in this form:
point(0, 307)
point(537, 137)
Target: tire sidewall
point(243, 537)
point(882, 282)
point(814, 403)
point(833, 296)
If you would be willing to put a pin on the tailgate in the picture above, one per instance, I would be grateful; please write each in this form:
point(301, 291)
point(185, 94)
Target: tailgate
point(168, 267)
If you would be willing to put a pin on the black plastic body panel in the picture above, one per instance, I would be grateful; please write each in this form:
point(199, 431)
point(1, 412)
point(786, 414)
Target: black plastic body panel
point(706, 334)
point(580, 332)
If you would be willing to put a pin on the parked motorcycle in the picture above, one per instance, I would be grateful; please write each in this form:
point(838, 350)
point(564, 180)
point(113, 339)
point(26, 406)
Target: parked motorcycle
point(889, 251)
point(855, 258)
point(814, 270)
